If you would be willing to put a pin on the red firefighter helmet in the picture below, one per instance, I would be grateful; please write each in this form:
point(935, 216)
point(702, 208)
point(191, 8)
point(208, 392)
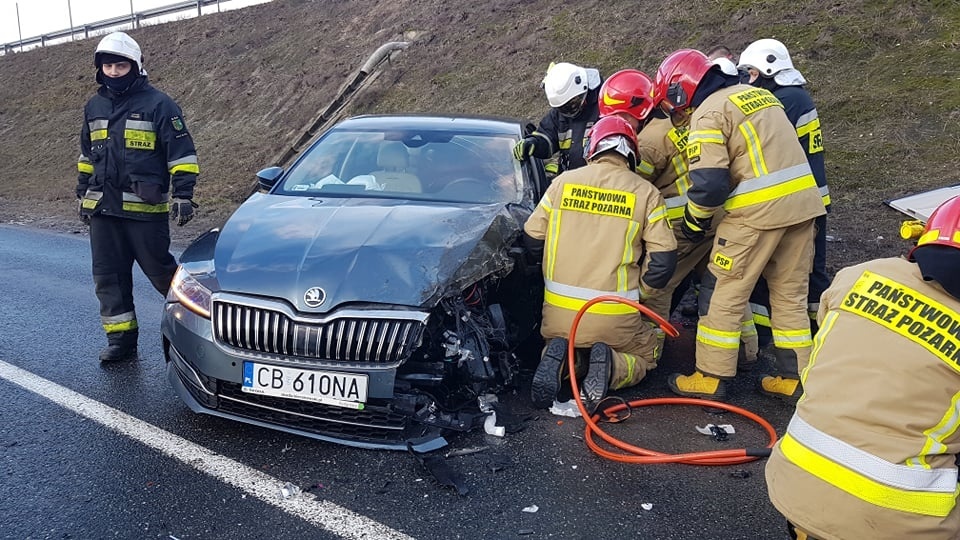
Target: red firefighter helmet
point(628, 91)
point(613, 133)
point(943, 227)
point(679, 75)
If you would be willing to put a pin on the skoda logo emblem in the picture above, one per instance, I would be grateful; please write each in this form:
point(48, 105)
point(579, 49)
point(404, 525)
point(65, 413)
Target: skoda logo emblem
point(314, 296)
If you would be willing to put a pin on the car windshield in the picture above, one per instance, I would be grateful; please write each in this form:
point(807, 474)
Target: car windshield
point(411, 164)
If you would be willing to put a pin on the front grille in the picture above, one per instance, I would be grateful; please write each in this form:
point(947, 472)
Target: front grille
point(345, 339)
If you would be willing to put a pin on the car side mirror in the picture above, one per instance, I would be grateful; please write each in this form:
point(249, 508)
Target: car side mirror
point(268, 177)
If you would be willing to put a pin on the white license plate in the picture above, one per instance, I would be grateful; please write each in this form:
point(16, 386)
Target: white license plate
point(327, 387)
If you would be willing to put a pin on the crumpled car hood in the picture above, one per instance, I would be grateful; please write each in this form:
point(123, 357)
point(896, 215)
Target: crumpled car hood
point(380, 251)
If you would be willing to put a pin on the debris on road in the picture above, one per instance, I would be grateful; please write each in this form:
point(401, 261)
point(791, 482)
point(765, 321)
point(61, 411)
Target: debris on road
point(465, 451)
point(289, 491)
point(646, 506)
point(532, 509)
point(566, 408)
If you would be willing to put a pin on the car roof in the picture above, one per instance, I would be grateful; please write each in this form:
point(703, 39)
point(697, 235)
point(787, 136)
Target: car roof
point(466, 123)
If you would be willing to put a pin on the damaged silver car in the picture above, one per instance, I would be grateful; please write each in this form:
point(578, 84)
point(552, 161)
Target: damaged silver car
point(375, 294)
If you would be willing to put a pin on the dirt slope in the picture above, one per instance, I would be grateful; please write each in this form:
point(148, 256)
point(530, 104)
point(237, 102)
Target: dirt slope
point(885, 76)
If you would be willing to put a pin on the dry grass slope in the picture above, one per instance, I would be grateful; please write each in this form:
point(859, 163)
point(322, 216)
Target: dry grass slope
point(885, 75)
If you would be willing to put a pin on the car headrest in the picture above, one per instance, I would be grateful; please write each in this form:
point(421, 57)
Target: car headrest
point(392, 157)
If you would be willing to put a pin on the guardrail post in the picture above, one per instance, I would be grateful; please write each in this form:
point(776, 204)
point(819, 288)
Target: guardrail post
point(199, 6)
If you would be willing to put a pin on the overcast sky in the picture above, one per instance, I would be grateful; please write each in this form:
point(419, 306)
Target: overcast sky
point(42, 16)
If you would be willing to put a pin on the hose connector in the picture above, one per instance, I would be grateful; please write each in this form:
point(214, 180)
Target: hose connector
point(911, 230)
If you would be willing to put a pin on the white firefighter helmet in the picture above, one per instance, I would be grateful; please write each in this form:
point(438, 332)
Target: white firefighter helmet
point(726, 66)
point(771, 59)
point(120, 44)
point(565, 81)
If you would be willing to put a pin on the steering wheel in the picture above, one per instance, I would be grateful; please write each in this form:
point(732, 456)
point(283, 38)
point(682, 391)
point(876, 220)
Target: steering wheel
point(468, 182)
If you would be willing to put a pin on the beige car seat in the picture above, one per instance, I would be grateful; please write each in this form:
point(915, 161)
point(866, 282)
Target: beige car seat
point(393, 175)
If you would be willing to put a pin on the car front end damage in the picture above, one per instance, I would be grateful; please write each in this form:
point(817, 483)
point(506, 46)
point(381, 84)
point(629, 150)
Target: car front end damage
point(399, 375)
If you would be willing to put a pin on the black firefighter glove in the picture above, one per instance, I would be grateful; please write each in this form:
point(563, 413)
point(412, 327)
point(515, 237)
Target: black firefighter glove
point(84, 218)
point(693, 228)
point(181, 210)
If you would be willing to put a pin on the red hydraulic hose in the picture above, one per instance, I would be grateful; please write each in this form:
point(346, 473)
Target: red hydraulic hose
point(636, 454)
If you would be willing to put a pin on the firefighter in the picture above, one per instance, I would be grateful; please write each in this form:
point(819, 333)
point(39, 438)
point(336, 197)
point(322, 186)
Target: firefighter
point(872, 447)
point(743, 158)
point(768, 64)
point(599, 227)
point(572, 93)
point(133, 144)
point(630, 94)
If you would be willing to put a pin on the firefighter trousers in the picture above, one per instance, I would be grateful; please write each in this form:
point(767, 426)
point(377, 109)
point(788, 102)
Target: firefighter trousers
point(741, 255)
point(115, 243)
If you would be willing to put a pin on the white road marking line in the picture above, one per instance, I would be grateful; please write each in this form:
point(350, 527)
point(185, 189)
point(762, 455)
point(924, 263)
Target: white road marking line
point(306, 506)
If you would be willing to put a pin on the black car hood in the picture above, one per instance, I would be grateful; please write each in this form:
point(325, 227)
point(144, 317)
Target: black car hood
point(381, 251)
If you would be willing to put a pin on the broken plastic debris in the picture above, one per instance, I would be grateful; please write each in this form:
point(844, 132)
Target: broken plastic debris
point(289, 490)
point(491, 427)
point(532, 509)
point(705, 430)
point(740, 473)
point(486, 402)
point(646, 506)
point(566, 408)
point(465, 451)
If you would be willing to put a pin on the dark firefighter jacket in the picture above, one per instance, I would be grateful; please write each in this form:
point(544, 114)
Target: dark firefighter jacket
point(802, 113)
point(132, 146)
point(567, 135)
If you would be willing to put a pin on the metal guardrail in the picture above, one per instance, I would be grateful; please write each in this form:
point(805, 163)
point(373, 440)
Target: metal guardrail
point(133, 18)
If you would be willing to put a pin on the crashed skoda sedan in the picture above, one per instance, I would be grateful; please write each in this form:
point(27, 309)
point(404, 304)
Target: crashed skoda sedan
point(376, 294)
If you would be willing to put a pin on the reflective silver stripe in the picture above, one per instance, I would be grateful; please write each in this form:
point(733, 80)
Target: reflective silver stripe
point(127, 197)
point(676, 202)
point(582, 293)
point(191, 159)
point(97, 124)
point(824, 191)
point(869, 465)
point(772, 179)
point(121, 318)
point(759, 309)
point(139, 125)
point(83, 159)
point(806, 118)
point(708, 136)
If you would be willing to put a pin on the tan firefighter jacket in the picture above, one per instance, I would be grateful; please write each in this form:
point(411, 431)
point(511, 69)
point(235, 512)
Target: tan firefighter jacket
point(870, 451)
point(744, 156)
point(663, 162)
point(597, 222)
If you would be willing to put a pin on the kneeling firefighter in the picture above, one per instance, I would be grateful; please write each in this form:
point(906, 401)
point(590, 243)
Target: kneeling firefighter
point(872, 447)
point(599, 227)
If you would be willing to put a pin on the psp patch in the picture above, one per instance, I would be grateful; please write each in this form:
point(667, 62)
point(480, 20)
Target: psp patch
point(723, 261)
point(693, 152)
point(177, 123)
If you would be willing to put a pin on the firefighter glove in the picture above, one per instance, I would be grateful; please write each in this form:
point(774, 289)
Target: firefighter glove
point(693, 228)
point(525, 148)
point(181, 210)
point(84, 218)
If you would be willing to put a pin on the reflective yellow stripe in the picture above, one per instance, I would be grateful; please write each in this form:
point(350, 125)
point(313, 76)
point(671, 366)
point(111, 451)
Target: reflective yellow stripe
point(630, 234)
point(748, 329)
point(631, 362)
point(645, 167)
point(98, 135)
point(753, 149)
point(120, 326)
point(818, 340)
point(553, 167)
point(565, 139)
point(139, 135)
point(807, 128)
point(935, 435)
point(699, 212)
point(145, 208)
point(679, 167)
point(792, 339)
point(675, 207)
point(86, 168)
point(553, 238)
point(658, 213)
point(916, 502)
point(186, 167)
point(718, 338)
point(770, 193)
point(712, 136)
point(574, 304)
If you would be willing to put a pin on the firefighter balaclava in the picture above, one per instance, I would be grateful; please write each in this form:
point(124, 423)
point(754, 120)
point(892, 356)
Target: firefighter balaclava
point(114, 48)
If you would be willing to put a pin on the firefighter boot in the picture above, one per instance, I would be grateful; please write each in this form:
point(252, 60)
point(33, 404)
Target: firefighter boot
point(783, 382)
point(121, 347)
point(597, 382)
point(697, 385)
point(549, 373)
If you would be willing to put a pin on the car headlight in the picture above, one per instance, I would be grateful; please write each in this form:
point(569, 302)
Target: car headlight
point(191, 293)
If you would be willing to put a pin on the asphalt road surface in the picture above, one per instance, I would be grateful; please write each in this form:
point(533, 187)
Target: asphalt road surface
point(90, 451)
